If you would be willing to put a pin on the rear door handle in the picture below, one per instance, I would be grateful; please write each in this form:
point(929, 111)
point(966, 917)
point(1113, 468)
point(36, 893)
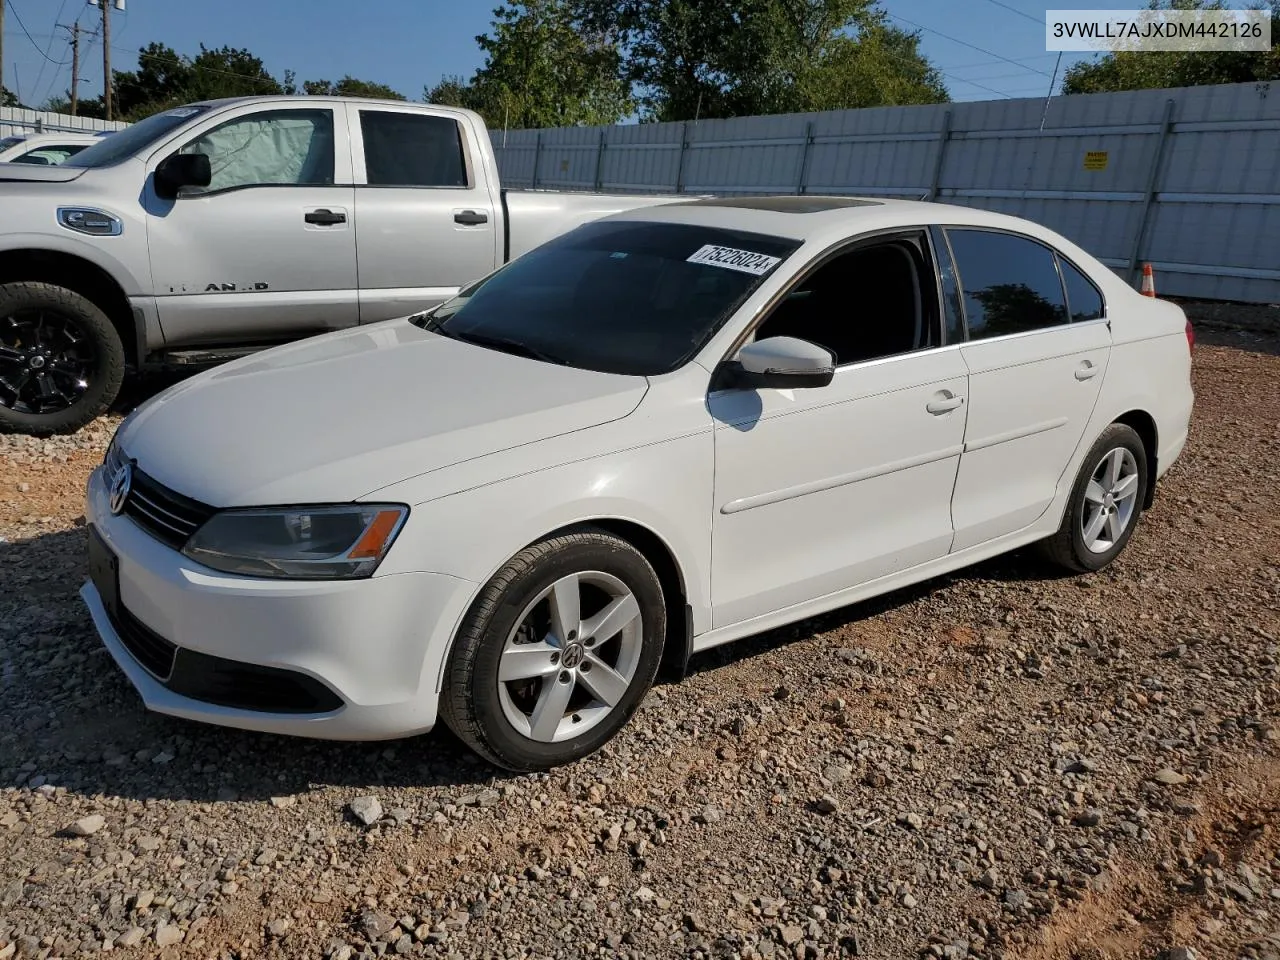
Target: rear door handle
point(324, 218)
point(1086, 371)
point(944, 405)
point(470, 218)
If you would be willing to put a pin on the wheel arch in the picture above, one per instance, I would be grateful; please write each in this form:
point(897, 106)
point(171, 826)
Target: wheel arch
point(82, 276)
point(1144, 425)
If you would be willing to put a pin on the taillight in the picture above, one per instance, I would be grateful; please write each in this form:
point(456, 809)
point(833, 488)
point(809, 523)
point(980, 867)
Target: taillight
point(1191, 337)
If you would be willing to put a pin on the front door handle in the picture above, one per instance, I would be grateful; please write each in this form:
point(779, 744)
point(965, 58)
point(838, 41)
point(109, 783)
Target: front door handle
point(470, 218)
point(1086, 371)
point(324, 218)
point(944, 405)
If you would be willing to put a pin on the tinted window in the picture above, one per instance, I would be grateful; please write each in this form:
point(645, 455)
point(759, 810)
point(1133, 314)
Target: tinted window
point(412, 150)
point(621, 297)
point(1082, 295)
point(274, 147)
point(133, 138)
point(1010, 284)
point(891, 313)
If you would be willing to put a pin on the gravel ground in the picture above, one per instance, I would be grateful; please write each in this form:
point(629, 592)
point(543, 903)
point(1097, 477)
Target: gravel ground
point(994, 764)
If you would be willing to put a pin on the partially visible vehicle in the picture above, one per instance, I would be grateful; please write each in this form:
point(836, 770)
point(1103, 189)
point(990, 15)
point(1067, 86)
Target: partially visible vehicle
point(657, 433)
point(44, 149)
point(213, 230)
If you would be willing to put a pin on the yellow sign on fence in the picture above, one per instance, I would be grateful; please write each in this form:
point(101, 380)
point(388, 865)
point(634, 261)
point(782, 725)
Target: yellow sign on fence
point(1095, 160)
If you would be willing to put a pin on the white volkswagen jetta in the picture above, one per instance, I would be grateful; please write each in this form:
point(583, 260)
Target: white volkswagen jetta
point(660, 432)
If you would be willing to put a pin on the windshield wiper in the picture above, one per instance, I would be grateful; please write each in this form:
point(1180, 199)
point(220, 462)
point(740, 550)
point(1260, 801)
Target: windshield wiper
point(506, 345)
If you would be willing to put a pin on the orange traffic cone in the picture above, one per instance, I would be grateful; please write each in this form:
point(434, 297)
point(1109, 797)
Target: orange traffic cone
point(1148, 281)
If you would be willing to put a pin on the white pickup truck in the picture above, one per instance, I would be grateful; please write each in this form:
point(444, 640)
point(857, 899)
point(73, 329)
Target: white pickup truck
point(218, 228)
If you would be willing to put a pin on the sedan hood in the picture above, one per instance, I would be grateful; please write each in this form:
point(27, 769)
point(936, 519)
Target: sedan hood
point(335, 417)
point(17, 172)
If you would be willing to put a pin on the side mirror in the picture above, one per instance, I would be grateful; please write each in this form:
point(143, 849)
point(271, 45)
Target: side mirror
point(182, 170)
point(778, 363)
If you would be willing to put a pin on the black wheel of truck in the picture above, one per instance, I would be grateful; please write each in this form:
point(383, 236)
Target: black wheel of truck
point(61, 360)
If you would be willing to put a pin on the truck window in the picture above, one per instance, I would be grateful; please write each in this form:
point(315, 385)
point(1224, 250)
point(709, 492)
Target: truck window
point(273, 147)
point(412, 150)
point(133, 139)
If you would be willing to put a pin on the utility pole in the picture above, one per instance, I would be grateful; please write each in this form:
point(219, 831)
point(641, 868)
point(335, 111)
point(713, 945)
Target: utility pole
point(106, 47)
point(75, 63)
point(1, 44)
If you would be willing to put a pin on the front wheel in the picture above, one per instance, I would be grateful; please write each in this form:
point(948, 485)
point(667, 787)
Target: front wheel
point(557, 653)
point(61, 360)
point(1106, 501)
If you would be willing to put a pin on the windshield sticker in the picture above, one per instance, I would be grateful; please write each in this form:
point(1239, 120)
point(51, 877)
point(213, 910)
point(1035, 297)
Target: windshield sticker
point(182, 112)
point(730, 259)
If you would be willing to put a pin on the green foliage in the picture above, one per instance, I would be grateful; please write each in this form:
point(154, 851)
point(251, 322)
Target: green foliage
point(8, 98)
point(349, 86)
point(541, 70)
point(709, 58)
point(1130, 70)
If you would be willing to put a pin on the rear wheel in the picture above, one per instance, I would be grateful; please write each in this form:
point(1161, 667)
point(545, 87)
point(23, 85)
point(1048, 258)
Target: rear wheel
point(557, 653)
point(61, 360)
point(1106, 501)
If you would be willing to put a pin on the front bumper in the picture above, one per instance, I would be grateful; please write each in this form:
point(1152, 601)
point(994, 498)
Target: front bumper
point(368, 650)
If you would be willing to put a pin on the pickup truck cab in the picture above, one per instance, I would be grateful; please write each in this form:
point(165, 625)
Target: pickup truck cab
point(219, 228)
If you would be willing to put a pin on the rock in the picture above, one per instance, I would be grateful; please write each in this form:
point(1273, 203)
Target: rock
point(87, 826)
point(990, 878)
point(710, 814)
point(368, 810)
point(279, 927)
point(826, 804)
point(912, 821)
point(131, 937)
point(1169, 777)
point(791, 935)
point(836, 773)
point(488, 798)
point(537, 873)
point(168, 935)
point(909, 901)
point(281, 803)
point(1179, 953)
point(781, 693)
point(1016, 899)
point(8, 950)
point(403, 944)
point(1087, 818)
point(376, 925)
point(596, 794)
point(644, 894)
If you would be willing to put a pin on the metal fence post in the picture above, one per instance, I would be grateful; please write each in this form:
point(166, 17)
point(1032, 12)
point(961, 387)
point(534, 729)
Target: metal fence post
point(804, 157)
point(600, 160)
point(944, 137)
point(537, 157)
point(1149, 195)
point(684, 147)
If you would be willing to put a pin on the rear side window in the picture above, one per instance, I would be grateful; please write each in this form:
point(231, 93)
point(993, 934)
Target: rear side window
point(1010, 284)
point(1082, 296)
point(412, 150)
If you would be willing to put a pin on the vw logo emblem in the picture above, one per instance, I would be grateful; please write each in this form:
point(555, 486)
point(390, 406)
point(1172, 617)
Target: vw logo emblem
point(121, 484)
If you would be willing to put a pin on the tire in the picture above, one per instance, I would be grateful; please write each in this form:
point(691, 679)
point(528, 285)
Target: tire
point(499, 718)
point(95, 357)
point(1071, 547)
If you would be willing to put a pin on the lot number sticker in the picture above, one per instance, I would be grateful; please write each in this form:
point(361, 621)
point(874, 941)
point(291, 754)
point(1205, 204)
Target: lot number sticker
point(743, 261)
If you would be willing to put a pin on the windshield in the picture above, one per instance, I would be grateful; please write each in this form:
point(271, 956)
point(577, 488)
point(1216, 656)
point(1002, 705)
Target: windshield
point(620, 297)
point(125, 143)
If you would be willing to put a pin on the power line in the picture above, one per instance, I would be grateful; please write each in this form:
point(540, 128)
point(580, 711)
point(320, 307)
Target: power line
point(23, 27)
point(40, 74)
point(965, 43)
point(1021, 13)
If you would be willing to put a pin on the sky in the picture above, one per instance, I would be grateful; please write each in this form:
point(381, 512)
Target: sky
point(987, 49)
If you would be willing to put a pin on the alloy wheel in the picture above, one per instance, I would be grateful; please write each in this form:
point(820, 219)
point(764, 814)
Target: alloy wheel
point(571, 657)
point(1110, 500)
point(46, 361)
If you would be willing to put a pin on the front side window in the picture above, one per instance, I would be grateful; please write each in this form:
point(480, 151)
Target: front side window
point(622, 297)
point(123, 144)
point(869, 303)
point(276, 147)
point(1082, 295)
point(411, 150)
point(1010, 283)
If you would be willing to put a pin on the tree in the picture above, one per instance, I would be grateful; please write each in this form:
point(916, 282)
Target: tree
point(542, 70)
point(1132, 70)
point(709, 58)
point(8, 98)
point(349, 86)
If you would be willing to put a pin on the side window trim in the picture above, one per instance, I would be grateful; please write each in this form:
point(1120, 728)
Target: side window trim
point(336, 132)
point(464, 148)
point(838, 249)
point(938, 236)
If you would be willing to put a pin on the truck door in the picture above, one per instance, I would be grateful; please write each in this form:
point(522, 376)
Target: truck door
point(267, 251)
point(426, 220)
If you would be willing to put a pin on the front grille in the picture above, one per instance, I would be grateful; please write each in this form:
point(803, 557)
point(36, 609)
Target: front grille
point(167, 515)
point(154, 652)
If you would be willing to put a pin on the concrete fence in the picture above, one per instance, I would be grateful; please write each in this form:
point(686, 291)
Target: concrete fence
point(14, 122)
point(1187, 179)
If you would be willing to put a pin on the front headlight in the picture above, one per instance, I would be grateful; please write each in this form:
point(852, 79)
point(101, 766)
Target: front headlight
point(304, 543)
